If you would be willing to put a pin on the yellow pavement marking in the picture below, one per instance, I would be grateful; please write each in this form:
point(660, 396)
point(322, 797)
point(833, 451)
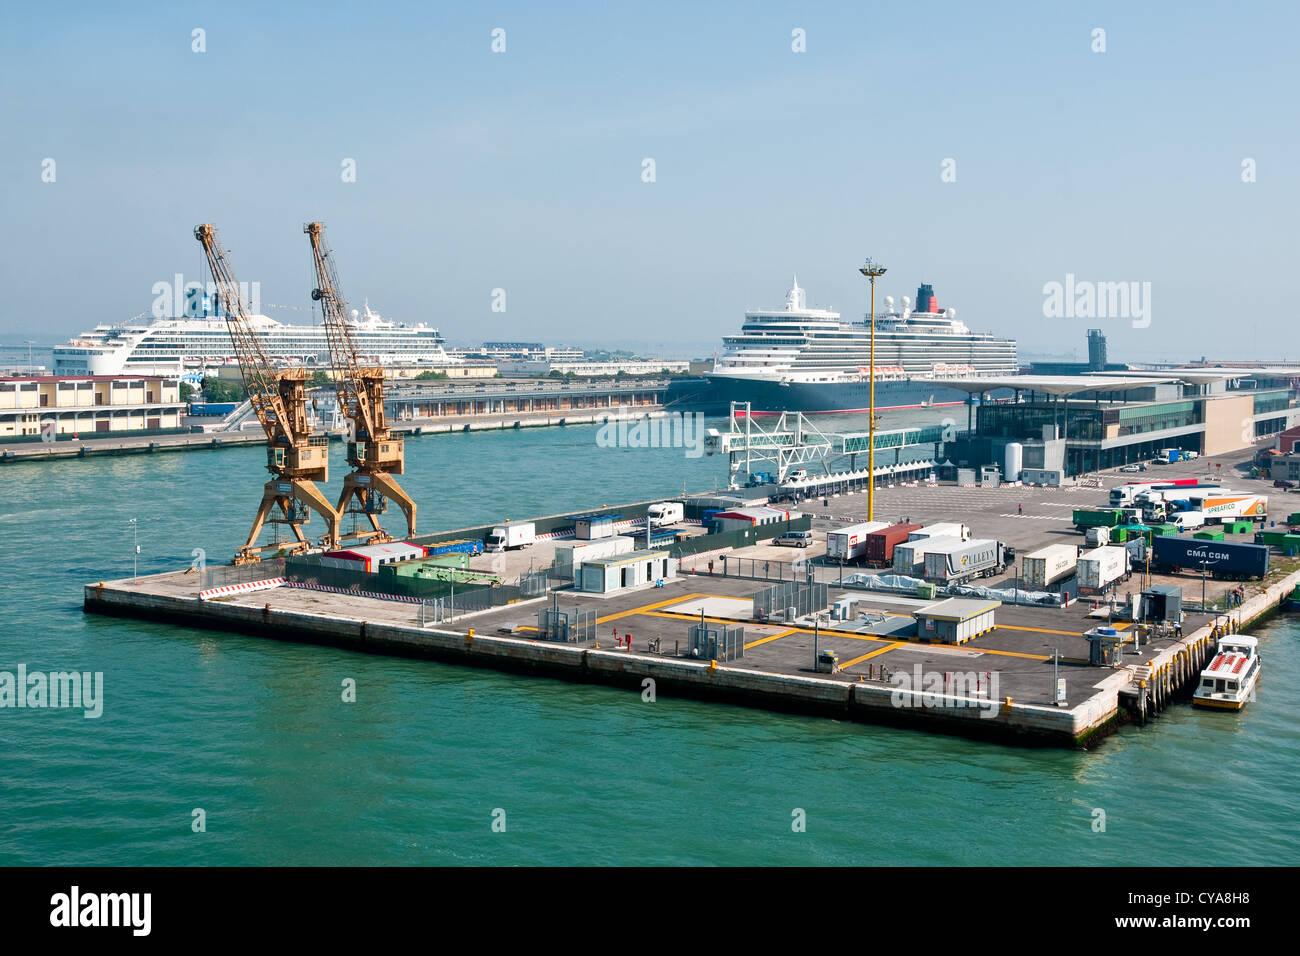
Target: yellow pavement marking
point(525, 627)
point(1038, 630)
point(770, 637)
point(647, 607)
point(876, 652)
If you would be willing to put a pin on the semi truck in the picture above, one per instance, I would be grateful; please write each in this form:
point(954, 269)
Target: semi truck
point(849, 544)
point(909, 556)
point(666, 513)
point(1124, 494)
point(1046, 566)
point(878, 546)
point(1102, 567)
point(1223, 560)
point(1085, 518)
point(961, 561)
point(511, 535)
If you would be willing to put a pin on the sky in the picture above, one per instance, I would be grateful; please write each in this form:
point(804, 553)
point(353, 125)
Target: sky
point(989, 150)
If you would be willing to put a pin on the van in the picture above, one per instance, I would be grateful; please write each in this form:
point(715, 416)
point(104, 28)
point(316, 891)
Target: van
point(795, 539)
point(1188, 520)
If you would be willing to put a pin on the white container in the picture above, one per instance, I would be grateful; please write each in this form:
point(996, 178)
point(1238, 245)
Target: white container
point(1101, 567)
point(943, 529)
point(963, 560)
point(1048, 565)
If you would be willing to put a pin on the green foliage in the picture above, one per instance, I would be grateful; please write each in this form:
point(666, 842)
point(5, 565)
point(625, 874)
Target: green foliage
point(187, 392)
point(215, 390)
point(430, 376)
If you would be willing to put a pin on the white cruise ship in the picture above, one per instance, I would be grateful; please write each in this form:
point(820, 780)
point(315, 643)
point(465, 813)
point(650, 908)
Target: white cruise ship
point(802, 359)
point(185, 346)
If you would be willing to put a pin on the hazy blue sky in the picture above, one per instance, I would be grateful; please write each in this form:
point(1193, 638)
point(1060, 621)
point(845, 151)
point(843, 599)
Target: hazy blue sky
point(522, 170)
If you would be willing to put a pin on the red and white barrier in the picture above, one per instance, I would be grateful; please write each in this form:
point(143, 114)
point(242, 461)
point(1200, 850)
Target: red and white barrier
point(229, 589)
point(365, 594)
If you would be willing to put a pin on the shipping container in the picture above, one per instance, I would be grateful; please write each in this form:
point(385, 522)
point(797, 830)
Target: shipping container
point(1048, 565)
point(909, 556)
point(848, 544)
point(1102, 567)
point(1223, 560)
point(1209, 534)
point(1085, 518)
point(965, 560)
point(879, 545)
point(956, 620)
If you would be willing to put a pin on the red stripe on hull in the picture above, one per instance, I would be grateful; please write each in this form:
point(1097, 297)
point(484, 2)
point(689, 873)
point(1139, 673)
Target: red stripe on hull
point(854, 411)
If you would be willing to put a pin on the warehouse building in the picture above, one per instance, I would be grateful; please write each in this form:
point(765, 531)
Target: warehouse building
point(88, 405)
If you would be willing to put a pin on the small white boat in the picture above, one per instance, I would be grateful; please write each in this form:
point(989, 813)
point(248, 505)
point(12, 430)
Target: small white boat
point(1229, 682)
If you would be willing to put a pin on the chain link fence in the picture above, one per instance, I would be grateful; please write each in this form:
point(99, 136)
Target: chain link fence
point(224, 575)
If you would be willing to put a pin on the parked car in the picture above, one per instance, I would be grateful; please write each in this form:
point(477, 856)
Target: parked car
point(1131, 468)
point(795, 539)
point(1283, 483)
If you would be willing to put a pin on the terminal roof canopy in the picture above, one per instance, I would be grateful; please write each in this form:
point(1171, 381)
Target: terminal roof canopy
point(1060, 385)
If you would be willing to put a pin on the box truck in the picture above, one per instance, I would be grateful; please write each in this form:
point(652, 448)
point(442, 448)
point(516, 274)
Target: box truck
point(963, 561)
point(909, 556)
point(1046, 566)
point(1102, 567)
point(879, 545)
point(666, 513)
point(849, 544)
point(1223, 560)
point(514, 534)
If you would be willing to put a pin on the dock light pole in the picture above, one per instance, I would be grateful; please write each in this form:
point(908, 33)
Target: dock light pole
point(872, 270)
point(135, 549)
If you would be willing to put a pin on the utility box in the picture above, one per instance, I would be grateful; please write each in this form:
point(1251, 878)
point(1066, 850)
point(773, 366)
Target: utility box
point(956, 620)
point(828, 662)
point(1162, 602)
point(1104, 644)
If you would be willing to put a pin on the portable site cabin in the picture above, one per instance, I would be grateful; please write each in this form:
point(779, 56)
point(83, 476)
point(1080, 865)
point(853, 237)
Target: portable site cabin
point(618, 572)
point(370, 557)
point(956, 620)
point(745, 518)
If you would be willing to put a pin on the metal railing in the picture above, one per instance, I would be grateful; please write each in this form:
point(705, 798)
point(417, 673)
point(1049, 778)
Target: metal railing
point(224, 575)
point(778, 601)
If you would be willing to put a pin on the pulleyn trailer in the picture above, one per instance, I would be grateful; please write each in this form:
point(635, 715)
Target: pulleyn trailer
point(965, 561)
point(909, 556)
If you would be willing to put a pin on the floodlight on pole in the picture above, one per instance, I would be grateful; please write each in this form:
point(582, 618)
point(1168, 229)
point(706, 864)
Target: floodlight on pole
point(872, 270)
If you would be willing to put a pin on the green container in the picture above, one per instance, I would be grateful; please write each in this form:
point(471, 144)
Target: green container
point(925, 591)
point(1239, 527)
point(1293, 518)
point(1118, 535)
point(1291, 543)
point(1214, 534)
point(1164, 530)
point(1274, 539)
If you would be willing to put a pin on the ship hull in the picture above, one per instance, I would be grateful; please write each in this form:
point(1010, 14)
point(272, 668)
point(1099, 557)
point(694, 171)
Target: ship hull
point(772, 397)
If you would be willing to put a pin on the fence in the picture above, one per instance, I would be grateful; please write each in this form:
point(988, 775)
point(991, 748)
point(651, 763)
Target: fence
point(566, 627)
point(225, 575)
point(775, 602)
point(712, 642)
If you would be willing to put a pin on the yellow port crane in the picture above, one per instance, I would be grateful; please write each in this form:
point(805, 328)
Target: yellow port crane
point(295, 457)
point(373, 453)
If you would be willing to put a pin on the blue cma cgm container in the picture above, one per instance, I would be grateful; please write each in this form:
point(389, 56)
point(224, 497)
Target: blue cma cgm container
point(1223, 560)
point(211, 408)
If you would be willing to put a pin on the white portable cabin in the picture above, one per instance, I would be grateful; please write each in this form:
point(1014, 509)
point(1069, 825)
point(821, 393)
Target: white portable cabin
point(618, 572)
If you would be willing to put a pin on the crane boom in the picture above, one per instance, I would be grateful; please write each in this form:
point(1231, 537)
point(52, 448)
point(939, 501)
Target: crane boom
point(295, 458)
point(374, 454)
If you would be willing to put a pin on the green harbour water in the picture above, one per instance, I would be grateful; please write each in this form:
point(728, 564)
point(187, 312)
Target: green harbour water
point(256, 734)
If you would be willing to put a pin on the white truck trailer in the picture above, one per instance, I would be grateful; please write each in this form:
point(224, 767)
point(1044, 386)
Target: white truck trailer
point(1046, 566)
point(909, 556)
point(943, 529)
point(1102, 567)
point(965, 560)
